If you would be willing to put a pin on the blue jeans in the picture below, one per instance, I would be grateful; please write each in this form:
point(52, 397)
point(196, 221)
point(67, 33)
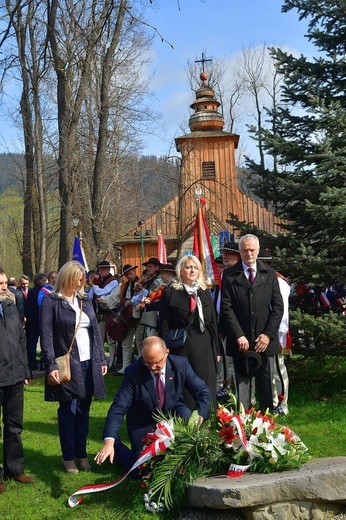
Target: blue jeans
point(73, 419)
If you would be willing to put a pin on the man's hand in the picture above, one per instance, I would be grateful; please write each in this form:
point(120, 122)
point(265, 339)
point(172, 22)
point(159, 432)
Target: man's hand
point(243, 344)
point(261, 342)
point(106, 451)
point(27, 381)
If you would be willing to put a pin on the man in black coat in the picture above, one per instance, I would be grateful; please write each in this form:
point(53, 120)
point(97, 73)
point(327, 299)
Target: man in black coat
point(251, 312)
point(14, 373)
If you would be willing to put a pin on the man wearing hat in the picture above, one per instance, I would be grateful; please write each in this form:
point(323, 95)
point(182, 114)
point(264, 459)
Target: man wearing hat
point(151, 281)
point(153, 274)
point(126, 293)
point(151, 303)
point(251, 312)
point(230, 254)
point(168, 274)
point(107, 283)
point(223, 365)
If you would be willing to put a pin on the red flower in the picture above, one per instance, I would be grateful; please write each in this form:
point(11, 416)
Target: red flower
point(289, 435)
point(224, 416)
point(228, 434)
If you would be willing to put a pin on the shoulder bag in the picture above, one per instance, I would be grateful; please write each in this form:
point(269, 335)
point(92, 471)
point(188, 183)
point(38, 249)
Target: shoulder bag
point(63, 362)
point(176, 338)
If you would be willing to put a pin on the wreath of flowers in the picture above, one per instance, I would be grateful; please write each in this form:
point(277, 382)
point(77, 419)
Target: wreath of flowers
point(231, 442)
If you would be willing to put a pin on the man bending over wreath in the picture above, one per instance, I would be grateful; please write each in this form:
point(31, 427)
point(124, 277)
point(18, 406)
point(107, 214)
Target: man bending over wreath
point(155, 381)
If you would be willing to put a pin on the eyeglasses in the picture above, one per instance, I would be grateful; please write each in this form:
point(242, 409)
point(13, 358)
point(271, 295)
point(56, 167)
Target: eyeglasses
point(155, 363)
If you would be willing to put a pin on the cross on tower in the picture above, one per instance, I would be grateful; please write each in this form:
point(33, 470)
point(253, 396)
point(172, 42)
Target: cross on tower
point(203, 61)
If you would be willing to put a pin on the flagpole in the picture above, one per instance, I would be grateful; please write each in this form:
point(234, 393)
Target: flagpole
point(200, 235)
point(198, 193)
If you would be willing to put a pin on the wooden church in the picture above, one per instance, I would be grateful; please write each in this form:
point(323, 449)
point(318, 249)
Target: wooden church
point(208, 171)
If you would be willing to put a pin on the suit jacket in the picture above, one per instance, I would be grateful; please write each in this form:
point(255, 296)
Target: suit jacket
point(20, 302)
point(58, 323)
point(137, 398)
point(251, 309)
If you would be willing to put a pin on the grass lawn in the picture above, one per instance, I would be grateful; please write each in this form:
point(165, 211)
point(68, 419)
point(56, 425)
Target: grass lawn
point(317, 414)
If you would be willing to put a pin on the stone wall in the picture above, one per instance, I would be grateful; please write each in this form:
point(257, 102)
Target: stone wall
point(316, 491)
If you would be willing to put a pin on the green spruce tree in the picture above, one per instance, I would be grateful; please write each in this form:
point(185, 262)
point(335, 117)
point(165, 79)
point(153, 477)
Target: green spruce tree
point(307, 186)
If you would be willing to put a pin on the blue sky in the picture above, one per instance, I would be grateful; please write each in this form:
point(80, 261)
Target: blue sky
point(220, 28)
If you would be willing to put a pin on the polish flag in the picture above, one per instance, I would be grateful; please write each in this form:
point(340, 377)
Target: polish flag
point(161, 249)
point(202, 247)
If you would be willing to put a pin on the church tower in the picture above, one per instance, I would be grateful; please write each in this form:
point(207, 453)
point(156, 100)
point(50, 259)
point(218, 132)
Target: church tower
point(208, 160)
point(208, 170)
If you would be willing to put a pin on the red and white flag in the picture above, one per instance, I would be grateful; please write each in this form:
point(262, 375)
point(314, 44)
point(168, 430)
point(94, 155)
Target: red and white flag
point(202, 246)
point(161, 249)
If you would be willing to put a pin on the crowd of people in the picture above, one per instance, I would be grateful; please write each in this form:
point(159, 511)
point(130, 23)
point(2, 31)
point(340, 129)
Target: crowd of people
point(232, 335)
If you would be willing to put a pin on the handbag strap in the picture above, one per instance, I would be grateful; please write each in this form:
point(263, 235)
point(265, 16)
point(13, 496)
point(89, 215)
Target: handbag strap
point(76, 329)
point(192, 319)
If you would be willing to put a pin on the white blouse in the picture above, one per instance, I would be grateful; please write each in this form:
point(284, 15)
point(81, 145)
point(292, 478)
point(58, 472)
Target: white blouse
point(82, 337)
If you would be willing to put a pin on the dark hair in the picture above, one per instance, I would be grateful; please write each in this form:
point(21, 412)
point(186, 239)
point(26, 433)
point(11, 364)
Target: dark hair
point(38, 278)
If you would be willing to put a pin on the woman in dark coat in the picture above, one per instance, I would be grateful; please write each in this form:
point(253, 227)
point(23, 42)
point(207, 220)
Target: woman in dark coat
point(65, 311)
point(188, 304)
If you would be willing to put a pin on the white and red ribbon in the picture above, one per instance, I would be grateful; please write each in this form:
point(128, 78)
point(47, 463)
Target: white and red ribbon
point(236, 470)
point(236, 420)
point(162, 438)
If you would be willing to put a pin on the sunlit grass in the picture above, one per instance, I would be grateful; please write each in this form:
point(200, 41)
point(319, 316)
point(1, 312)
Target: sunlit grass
point(317, 407)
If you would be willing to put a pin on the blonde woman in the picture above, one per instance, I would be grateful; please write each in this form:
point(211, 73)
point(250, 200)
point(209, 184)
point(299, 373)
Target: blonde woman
point(188, 305)
point(68, 318)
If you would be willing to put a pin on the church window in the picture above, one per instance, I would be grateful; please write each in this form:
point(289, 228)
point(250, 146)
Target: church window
point(208, 170)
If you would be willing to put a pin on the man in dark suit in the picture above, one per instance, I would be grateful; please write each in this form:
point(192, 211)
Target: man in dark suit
point(14, 374)
point(251, 312)
point(138, 399)
point(21, 295)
